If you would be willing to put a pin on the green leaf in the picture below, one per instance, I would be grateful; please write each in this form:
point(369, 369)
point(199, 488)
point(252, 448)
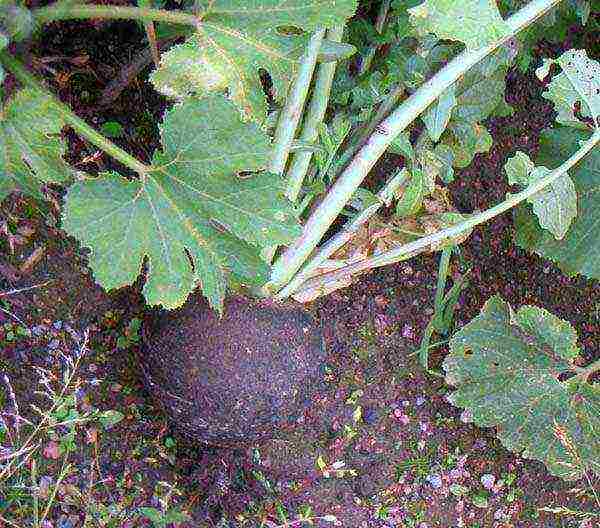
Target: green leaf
point(401, 145)
point(507, 369)
point(15, 20)
point(556, 205)
point(466, 139)
point(578, 83)
point(189, 212)
point(482, 88)
point(437, 116)
point(109, 419)
point(31, 148)
point(477, 23)
point(112, 129)
point(237, 38)
point(412, 199)
point(578, 251)
point(518, 169)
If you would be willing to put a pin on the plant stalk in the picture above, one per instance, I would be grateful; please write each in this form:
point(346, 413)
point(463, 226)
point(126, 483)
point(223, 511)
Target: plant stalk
point(294, 105)
point(585, 373)
point(69, 11)
point(78, 124)
point(382, 16)
point(288, 264)
point(346, 234)
point(314, 117)
point(417, 246)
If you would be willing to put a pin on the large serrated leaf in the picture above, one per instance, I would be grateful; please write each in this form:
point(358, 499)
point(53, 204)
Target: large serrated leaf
point(237, 38)
point(508, 370)
point(183, 214)
point(556, 205)
point(31, 148)
point(579, 250)
point(577, 84)
point(477, 23)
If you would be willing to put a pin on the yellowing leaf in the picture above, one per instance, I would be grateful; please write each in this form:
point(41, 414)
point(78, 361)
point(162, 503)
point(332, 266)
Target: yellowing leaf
point(477, 23)
point(237, 38)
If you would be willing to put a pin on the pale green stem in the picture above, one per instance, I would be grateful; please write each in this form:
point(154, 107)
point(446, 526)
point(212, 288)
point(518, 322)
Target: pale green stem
point(350, 179)
point(451, 233)
point(69, 11)
point(78, 124)
point(314, 117)
point(294, 105)
point(585, 373)
point(379, 24)
point(346, 234)
point(382, 112)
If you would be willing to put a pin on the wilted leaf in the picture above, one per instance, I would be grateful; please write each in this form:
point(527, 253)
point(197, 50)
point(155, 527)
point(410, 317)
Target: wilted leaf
point(556, 205)
point(578, 251)
point(235, 39)
point(578, 83)
point(508, 369)
point(190, 212)
point(477, 23)
point(31, 148)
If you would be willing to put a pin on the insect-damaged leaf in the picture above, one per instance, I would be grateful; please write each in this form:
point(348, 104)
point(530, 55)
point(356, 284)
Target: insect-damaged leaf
point(235, 39)
point(191, 205)
point(578, 251)
point(31, 148)
point(477, 23)
point(508, 370)
point(577, 84)
point(556, 205)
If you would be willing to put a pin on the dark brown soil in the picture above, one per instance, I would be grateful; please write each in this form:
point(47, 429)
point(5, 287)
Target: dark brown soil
point(378, 446)
point(238, 379)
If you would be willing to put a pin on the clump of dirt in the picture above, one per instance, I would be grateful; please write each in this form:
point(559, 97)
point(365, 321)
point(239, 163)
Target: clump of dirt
point(238, 379)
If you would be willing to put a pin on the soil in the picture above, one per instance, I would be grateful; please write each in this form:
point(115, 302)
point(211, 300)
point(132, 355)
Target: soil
point(379, 446)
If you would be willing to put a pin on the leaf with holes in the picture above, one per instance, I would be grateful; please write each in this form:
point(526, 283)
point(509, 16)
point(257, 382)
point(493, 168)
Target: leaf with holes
point(509, 368)
point(191, 215)
point(556, 205)
point(578, 84)
point(237, 38)
point(31, 148)
point(477, 23)
point(578, 251)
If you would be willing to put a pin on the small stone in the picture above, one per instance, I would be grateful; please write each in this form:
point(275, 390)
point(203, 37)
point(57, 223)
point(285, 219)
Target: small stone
point(420, 401)
point(370, 416)
point(488, 481)
point(466, 416)
point(435, 480)
point(57, 325)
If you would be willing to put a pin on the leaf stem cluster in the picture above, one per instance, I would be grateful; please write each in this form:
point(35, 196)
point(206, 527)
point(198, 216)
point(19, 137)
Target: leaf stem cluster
point(292, 260)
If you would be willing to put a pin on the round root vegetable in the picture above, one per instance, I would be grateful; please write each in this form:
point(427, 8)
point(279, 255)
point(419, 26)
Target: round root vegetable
point(238, 379)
